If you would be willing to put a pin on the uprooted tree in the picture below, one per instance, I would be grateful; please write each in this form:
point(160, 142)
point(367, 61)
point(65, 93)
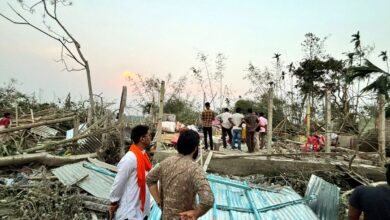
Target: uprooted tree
point(54, 28)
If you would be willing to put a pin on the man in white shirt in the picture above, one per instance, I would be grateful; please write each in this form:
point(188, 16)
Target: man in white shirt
point(130, 197)
point(226, 123)
point(237, 128)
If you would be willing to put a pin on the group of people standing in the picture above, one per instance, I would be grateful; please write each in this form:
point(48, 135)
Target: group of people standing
point(232, 126)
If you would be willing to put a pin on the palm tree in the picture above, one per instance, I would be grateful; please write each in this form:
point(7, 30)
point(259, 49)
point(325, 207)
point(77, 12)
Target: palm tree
point(383, 54)
point(277, 57)
point(356, 39)
point(382, 87)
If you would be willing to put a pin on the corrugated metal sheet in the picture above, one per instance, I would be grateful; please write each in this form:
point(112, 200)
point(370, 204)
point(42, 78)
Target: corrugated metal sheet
point(326, 206)
point(96, 183)
point(86, 145)
point(44, 131)
point(236, 200)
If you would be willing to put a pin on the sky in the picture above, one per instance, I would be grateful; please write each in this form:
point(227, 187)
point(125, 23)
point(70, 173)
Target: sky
point(159, 37)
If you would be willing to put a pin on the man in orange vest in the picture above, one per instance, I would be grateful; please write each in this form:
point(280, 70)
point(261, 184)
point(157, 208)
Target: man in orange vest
point(130, 197)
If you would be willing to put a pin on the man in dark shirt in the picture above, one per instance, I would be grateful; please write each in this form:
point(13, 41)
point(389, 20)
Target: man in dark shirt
point(374, 202)
point(251, 122)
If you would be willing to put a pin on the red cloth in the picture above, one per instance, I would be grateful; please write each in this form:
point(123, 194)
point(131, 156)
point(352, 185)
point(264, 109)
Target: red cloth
point(143, 165)
point(5, 121)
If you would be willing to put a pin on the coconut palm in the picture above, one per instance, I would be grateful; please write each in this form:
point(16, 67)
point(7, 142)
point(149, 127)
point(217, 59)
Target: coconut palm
point(383, 54)
point(382, 87)
point(356, 39)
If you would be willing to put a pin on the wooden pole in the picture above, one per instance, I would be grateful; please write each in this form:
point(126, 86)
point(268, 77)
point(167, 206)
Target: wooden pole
point(121, 121)
point(382, 130)
point(32, 115)
point(270, 115)
point(76, 125)
point(308, 117)
point(328, 121)
point(160, 115)
point(32, 125)
point(17, 114)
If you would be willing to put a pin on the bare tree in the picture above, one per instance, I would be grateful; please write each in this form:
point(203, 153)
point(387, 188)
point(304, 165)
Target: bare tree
point(70, 47)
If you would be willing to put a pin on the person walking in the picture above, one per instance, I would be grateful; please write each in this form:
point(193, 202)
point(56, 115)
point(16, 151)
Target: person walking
point(226, 124)
point(129, 196)
point(180, 180)
point(251, 122)
point(208, 116)
point(237, 119)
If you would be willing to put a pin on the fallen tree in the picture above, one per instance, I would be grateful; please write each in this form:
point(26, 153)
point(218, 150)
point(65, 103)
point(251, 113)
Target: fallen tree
point(32, 125)
point(44, 158)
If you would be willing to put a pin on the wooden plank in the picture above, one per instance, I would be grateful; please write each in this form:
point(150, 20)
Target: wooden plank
point(208, 159)
point(103, 164)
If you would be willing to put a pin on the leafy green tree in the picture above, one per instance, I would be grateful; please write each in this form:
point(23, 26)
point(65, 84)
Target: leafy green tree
point(381, 86)
point(183, 109)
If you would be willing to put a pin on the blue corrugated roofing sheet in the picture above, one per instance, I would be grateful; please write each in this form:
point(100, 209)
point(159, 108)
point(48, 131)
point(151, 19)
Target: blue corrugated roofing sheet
point(326, 206)
point(236, 200)
point(96, 183)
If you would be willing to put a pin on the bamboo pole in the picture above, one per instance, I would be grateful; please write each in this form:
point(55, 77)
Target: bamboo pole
point(32, 125)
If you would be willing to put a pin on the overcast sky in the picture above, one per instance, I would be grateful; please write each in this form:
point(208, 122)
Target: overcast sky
point(161, 37)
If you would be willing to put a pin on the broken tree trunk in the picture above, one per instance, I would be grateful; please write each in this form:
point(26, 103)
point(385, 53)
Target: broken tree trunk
point(160, 116)
point(382, 129)
point(270, 115)
point(35, 125)
point(121, 120)
point(43, 158)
